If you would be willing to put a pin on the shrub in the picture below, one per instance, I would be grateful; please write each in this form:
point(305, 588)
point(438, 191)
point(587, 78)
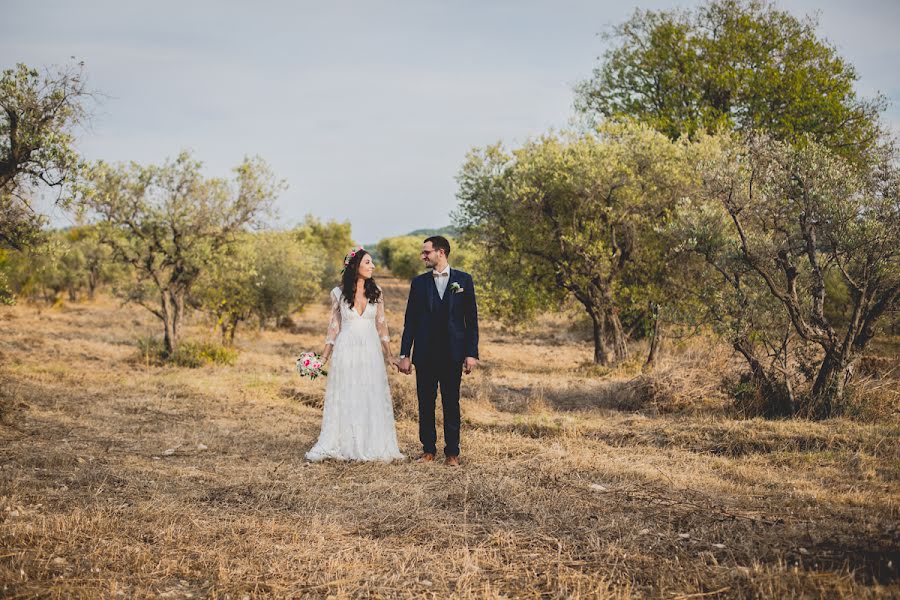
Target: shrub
point(195, 354)
point(402, 255)
point(190, 354)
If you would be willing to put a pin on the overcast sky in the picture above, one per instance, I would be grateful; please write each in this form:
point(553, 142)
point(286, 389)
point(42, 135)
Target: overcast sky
point(366, 108)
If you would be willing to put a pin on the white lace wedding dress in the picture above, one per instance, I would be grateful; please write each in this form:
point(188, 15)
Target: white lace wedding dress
point(358, 417)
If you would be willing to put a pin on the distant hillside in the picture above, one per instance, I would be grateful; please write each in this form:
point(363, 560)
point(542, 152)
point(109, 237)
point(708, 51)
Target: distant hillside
point(448, 231)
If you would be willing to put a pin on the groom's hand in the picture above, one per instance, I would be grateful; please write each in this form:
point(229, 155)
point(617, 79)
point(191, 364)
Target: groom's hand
point(405, 366)
point(470, 364)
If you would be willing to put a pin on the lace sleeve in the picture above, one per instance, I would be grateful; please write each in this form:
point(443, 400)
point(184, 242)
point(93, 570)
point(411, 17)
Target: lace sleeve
point(334, 325)
point(381, 321)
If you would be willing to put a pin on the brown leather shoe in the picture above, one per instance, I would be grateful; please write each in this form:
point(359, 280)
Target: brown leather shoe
point(452, 461)
point(426, 458)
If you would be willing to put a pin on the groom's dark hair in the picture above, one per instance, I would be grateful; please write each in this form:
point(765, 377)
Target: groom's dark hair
point(439, 242)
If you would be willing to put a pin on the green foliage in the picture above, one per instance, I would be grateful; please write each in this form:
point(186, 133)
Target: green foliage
point(288, 273)
point(402, 255)
point(73, 261)
point(575, 215)
point(264, 275)
point(775, 262)
point(95, 265)
point(740, 64)
point(83, 262)
point(169, 223)
point(6, 293)
point(713, 287)
point(35, 272)
point(36, 150)
point(194, 354)
point(505, 291)
point(190, 354)
point(227, 287)
point(20, 225)
point(838, 298)
point(774, 223)
point(335, 241)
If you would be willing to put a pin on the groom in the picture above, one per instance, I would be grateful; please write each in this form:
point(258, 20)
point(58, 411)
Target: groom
point(442, 324)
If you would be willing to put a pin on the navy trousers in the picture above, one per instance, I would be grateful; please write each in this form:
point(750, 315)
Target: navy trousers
point(447, 375)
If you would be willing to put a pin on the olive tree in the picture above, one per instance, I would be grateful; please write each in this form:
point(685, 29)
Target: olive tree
point(401, 255)
point(576, 214)
point(94, 259)
point(226, 289)
point(797, 215)
point(739, 64)
point(264, 275)
point(37, 114)
point(169, 222)
point(333, 238)
point(288, 274)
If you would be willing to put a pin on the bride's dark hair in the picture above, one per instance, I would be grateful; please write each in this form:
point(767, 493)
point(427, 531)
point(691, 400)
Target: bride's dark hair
point(351, 277)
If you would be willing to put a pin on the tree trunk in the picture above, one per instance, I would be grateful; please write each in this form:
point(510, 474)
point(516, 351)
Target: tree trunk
point(223, 328)
point(169, 340)
point(757, 371)
point(778, 397)
point(655, 340)
point(178, 298)
point(167, 308)
point(234, 324)
point(93, 279)
point(828, 389)
point(620, 347)
point(601, 350)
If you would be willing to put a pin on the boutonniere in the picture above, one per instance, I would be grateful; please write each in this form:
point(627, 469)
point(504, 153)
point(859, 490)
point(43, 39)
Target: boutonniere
point(454, 287)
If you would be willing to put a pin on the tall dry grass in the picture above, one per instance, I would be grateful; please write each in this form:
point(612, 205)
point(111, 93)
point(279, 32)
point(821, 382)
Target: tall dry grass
point(124, 478)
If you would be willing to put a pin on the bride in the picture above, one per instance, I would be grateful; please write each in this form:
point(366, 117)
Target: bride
point(358, 417)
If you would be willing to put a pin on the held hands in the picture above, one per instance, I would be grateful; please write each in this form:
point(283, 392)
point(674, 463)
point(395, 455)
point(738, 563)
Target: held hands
point(469, 364)
point(404, 365)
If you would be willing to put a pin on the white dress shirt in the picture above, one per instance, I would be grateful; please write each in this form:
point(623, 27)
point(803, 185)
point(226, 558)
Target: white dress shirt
point(441, 279)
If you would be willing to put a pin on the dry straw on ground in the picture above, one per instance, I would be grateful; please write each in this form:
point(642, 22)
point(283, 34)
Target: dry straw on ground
point(125, 479)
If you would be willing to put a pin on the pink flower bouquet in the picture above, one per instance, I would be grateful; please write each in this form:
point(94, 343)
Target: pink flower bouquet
point(310, 364)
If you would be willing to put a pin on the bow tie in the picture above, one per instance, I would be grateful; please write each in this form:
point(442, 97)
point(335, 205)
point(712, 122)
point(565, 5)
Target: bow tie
point(444, 274)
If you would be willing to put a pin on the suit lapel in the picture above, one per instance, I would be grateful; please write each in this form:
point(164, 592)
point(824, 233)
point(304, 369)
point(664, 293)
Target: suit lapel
point(450, 281)
point(431, 291)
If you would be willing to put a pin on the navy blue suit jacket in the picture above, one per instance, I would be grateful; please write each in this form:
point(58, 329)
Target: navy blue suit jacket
point(463, 322)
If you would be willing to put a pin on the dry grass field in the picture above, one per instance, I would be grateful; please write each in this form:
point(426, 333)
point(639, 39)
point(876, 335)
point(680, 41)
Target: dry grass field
point(124, 479)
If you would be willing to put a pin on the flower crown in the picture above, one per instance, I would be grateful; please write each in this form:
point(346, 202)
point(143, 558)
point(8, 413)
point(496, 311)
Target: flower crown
point(349, 256)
